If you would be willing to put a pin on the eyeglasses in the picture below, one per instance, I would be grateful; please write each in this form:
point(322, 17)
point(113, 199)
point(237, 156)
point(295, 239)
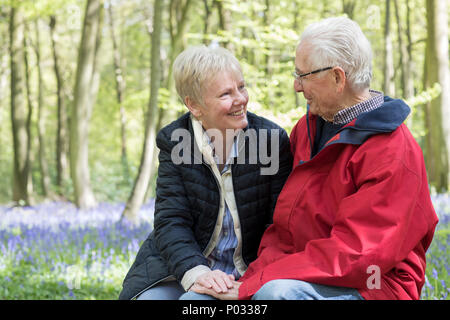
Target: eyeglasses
point(299, 77)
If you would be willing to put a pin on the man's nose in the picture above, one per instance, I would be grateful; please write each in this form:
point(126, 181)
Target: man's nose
point(298, 87)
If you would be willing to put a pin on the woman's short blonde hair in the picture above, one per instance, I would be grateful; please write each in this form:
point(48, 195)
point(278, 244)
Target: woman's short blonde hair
point(197, 66)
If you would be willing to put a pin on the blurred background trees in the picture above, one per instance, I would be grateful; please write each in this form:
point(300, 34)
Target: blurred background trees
point(81, 97)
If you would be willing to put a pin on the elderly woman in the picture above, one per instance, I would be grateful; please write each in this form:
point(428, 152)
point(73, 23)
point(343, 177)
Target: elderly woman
point(213, 206)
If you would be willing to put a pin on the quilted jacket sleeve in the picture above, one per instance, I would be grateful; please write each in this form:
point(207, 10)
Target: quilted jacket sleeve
point(173, 224)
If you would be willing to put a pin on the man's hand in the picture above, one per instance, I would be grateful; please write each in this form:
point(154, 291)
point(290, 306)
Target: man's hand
point(216, 281)
point(231, 294)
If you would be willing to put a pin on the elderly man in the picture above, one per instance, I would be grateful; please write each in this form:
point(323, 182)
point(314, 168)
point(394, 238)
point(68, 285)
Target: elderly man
point(354, 219)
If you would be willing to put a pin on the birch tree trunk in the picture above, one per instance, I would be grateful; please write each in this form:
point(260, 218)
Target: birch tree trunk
point(45, 176)
point(436, 154)
point(19, 110)
point(401, 45)
point(389, 85)
point(62, 134)
point(86, 87)
point(442, 47)
point(120, 91)
point(206, 20)
point(348, 7)
point(30, 113)
point(408, 66)
point(225, 23)
point(177, 33)
point(409, 90)
point(141, 183)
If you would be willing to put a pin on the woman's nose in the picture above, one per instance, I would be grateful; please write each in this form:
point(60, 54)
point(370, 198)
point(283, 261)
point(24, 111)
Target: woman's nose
point(241, 97)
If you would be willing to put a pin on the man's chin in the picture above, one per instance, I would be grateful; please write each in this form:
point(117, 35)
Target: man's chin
point(313, 110)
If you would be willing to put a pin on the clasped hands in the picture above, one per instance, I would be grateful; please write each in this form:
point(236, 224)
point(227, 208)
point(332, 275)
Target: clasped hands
point(218, 284)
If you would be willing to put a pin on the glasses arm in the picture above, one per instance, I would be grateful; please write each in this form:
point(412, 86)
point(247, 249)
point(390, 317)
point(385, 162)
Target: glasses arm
point(298, 76)
point(315, 71)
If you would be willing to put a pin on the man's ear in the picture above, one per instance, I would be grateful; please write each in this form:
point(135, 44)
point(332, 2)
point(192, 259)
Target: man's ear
point(340, 77)
point(192, 106)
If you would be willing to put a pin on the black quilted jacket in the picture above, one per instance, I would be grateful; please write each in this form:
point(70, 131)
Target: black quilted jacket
point(187, 206)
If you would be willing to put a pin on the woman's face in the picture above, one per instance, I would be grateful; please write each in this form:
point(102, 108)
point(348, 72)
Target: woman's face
point(224, 104)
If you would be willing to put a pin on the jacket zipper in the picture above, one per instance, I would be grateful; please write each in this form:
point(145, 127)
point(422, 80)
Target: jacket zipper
point(218, 213)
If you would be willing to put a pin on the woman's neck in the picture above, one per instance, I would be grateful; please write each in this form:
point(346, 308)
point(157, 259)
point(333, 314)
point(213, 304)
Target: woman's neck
point(222, 150)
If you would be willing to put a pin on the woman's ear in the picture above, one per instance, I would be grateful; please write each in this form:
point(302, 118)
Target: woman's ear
point(192, 106)
point(340, 77)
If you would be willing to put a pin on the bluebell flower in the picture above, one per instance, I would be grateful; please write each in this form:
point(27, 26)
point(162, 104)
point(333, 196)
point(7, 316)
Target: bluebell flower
point(428, 284)
point(435, 273)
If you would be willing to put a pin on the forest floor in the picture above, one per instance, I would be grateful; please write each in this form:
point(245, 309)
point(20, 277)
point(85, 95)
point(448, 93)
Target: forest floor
point(54, 251)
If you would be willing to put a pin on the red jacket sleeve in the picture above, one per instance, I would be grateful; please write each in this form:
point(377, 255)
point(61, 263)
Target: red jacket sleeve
point(378, 225)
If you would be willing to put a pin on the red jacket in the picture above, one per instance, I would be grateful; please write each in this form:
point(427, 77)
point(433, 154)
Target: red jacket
point(359, 206)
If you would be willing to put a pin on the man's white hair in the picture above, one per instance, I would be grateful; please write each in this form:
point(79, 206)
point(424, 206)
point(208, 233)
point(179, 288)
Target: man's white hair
point(340, 42)
point(196, 66)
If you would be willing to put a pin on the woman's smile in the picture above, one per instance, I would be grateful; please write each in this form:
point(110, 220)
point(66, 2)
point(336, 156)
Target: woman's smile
point(237, 113)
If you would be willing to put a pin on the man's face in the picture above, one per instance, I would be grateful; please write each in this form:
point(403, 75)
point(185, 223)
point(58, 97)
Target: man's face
point(318, 89)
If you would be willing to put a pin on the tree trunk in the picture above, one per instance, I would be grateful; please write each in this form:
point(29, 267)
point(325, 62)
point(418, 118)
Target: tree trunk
point(120, 90)
point(140, 186)
point(86, 87)
point(267, 20)
point(45, 176)
point(402, 49)
point(436, 155)
point(442, 47)
point(224, 22)
point(294, 27)
point(177, 36)
point(389, 85)
point(206, 22)
point(166, 115)
point(348, 7)
point(30, 112)
point(408, 65)
point(409, 90)
point(62, 135)
point(19, 110)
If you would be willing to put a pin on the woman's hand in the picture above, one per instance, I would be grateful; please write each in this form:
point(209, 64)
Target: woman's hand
point(216, 280)
point(231, 294)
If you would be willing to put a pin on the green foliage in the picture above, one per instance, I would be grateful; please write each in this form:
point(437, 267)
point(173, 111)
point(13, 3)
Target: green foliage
point(437, 281)
point(425, 96)
point(263, 39)
point(70, 254)
point(110, 182)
